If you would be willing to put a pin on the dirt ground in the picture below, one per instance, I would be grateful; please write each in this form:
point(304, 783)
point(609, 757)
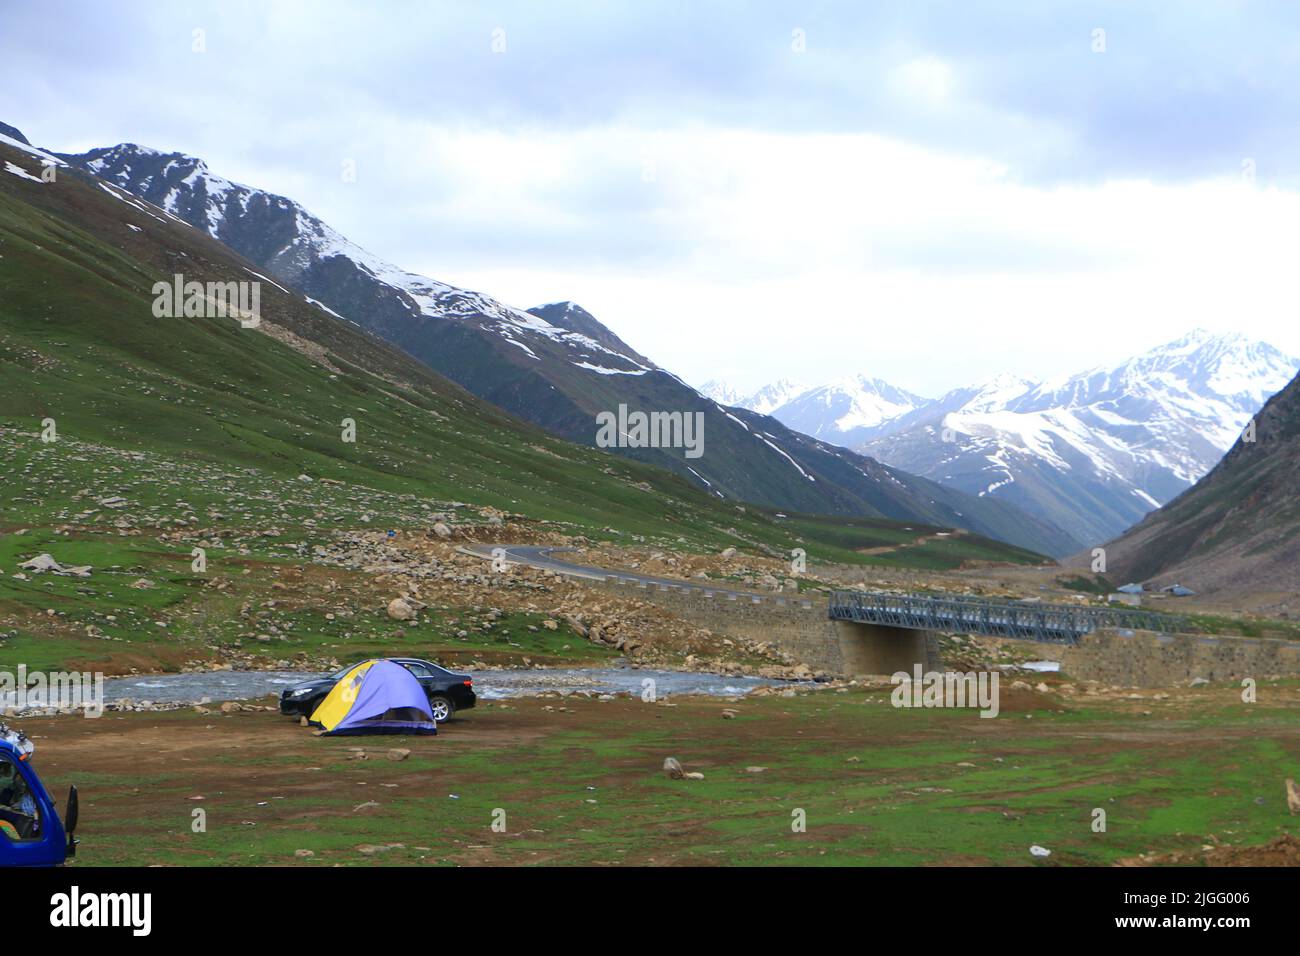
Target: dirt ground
point(1187, 780)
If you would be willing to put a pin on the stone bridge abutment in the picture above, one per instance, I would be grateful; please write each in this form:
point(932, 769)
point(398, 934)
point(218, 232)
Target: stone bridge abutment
point(800, 626)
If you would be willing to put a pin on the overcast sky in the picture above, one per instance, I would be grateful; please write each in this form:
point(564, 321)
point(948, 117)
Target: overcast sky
point(745, 190)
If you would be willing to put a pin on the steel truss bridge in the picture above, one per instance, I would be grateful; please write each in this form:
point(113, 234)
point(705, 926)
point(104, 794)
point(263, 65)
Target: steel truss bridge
point(1049, 623)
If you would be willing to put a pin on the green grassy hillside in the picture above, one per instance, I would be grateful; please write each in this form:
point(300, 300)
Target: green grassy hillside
point(241, 410)
point(557, 368)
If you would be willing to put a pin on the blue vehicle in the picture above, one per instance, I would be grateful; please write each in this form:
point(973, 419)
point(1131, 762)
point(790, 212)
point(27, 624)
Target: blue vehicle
point(31, 833)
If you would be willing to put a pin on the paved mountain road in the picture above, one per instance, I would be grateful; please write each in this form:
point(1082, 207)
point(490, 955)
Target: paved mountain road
point(541, 557)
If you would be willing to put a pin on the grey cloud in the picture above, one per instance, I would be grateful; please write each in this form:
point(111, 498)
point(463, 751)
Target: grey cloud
point(1180, 91)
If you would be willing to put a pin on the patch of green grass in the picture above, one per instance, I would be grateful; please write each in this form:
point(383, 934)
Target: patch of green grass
point(1244, 626)
point(1096, 584)
point(874, 784)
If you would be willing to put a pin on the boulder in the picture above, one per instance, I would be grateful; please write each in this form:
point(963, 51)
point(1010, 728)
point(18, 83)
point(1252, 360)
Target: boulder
point(399, 610)
point(673, 768)
point(45, 562)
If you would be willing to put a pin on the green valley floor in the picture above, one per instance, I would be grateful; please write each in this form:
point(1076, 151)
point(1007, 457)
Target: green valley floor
point(1192, 777)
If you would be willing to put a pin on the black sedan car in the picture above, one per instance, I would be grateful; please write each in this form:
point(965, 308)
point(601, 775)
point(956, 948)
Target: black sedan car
point(448, 691)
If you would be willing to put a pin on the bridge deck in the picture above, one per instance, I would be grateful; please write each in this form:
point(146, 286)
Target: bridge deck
point(1050, 623)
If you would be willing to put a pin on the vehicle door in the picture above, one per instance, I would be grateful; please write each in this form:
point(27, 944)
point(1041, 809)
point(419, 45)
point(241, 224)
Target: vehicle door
point(25, 831)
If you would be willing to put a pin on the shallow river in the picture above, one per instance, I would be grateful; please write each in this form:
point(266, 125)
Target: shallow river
point(488, 684)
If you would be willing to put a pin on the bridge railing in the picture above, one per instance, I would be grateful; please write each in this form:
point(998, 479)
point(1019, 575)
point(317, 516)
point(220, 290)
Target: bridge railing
point(1052, 623)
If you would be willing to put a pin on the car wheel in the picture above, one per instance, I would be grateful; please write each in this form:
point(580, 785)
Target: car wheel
point(442, 707)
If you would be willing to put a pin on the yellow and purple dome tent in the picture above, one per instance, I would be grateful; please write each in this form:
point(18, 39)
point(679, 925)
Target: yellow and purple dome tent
point(375, 697)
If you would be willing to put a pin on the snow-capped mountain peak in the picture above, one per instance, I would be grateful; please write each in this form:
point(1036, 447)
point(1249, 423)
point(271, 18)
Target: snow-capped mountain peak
point(764, 401)
point(722, 393)
point(996, 393)
point(302, 250)
point(843, 411)
point(771, 397)
point(1095, 451)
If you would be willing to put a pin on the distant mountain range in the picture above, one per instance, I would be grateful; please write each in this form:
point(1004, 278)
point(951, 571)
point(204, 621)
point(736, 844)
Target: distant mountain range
point(1238, 528)
point(764, 401)
point(254, 416)
point(1091, 453)
point(849, 410)
point(555, 365)
point(1052, 467)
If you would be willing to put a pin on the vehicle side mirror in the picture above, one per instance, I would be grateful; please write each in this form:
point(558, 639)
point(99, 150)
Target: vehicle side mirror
point(70, 815)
